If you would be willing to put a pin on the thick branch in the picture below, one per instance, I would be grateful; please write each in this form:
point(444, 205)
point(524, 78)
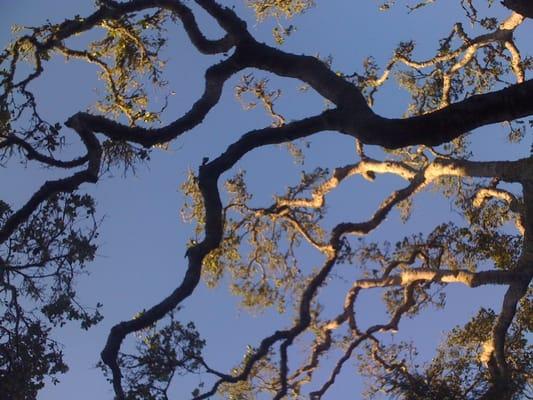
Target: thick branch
point(215, 77)
point(352, 116)
point(356, 118)
point(443, 125)
point(471, 279)
point(523, 7)
point(516, 291)
point(208, 179)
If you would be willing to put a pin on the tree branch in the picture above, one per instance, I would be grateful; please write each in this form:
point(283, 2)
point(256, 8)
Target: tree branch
point(69, 184)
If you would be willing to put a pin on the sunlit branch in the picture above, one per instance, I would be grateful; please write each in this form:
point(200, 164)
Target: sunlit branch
point(323, 248)
point(324, 342)
point(392, 325)
point(509, 171)
point(497, 361)
point(208, 179)
point(510, 301)
point(363, 228)
point(514, 204)
point(352, 116)
point(215, 78)
point(108, 76)
point(468, 278)
point(503, 34)
point(516, 61)
point(364, 168)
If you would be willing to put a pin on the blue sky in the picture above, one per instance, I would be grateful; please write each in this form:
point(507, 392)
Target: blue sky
point(142, 242)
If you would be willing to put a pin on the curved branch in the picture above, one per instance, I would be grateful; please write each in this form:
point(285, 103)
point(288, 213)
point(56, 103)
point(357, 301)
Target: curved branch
point(362, 228)
point(197, 38)
point(443, 125)
point(502, 34)
point(215, 77)
point(360, 121)
point(499, 369)
point(113, 10)
point(523, 7)
point(514, 204)
point(352, 116)
point(50, 188)
point(392, 325)
point(32, 154)
point(208, 180)
point(227, 19)
point(366, 168)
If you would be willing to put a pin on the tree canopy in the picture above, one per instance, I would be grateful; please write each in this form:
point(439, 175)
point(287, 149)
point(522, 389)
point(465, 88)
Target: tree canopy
point(285, 253)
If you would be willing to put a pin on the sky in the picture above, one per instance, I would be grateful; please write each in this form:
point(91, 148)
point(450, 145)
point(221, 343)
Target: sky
point(142, 243)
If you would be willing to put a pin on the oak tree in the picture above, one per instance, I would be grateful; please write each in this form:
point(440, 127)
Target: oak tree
point(479, 75)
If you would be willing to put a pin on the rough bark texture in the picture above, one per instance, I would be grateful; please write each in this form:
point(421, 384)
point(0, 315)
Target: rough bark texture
point(350, 115)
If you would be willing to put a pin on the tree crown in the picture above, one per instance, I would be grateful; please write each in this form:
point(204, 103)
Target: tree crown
point(284, 252)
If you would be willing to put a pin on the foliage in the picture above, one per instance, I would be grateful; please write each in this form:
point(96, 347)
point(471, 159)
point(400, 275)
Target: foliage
point(287, 8)
point(39, 267)
point(160, 355)
point(260, 250)
point(458, 371)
